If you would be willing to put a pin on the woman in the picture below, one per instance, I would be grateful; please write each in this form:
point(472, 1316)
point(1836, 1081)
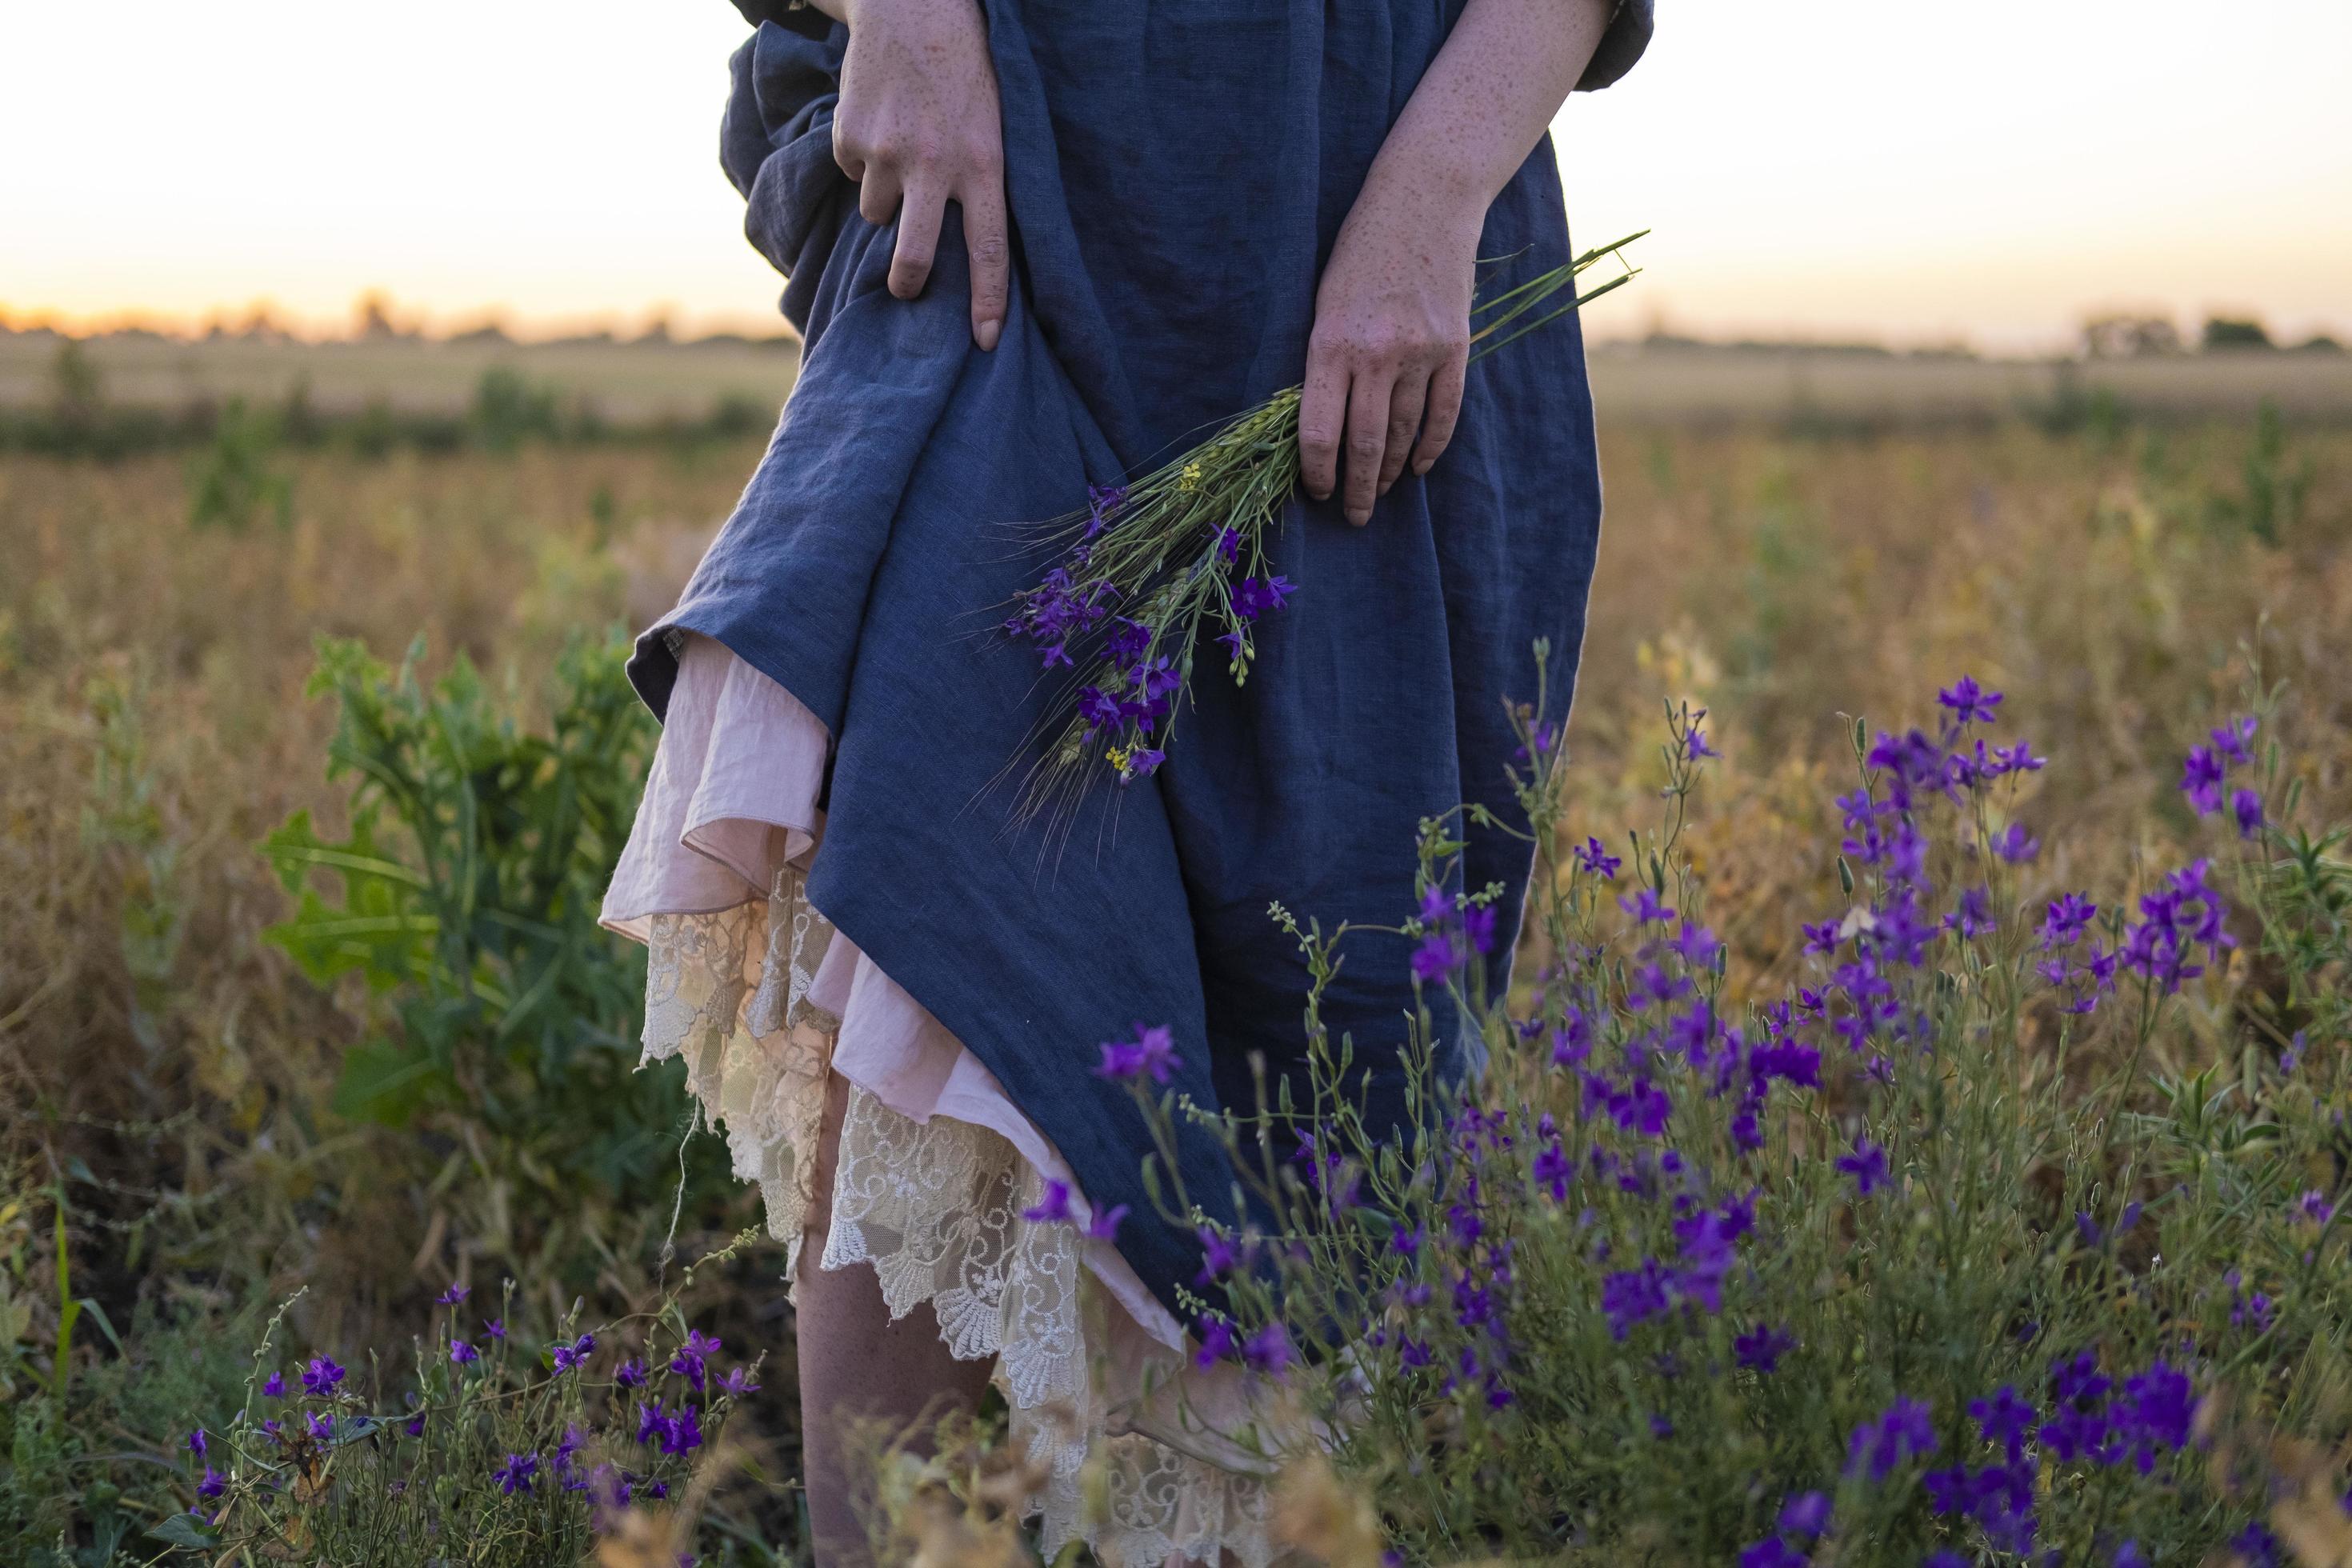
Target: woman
point(1033, 245)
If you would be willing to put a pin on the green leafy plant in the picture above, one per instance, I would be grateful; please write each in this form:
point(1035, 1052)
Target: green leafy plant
point(466, 891)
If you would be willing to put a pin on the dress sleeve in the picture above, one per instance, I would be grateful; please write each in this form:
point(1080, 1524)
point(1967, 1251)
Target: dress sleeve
point(1621, 45)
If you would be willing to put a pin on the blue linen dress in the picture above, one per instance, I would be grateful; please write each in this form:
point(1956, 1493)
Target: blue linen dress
point(1176, 174)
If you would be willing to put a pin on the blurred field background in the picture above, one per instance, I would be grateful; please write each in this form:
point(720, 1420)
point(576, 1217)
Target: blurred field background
point(1791, 538)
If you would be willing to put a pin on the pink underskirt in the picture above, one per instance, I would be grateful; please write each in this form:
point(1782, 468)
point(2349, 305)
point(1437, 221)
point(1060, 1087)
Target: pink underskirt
point(731, 799)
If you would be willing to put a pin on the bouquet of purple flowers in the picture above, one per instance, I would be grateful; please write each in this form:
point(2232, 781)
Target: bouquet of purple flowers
point(1148, 566)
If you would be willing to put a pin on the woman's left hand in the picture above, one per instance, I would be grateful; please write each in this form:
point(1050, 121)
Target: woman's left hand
point(1391, 339)
point(1391, 332)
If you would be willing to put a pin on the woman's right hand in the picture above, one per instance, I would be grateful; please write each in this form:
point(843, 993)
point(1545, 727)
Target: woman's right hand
point(918, 126)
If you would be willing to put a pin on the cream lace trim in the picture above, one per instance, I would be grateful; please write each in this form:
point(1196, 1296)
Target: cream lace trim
point(935, 1207)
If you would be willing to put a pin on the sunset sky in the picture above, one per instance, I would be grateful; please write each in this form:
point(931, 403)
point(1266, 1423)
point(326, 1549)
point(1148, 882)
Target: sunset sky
point(1917, 170)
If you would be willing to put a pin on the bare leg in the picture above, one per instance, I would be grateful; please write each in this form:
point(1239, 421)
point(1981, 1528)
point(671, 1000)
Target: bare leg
point(856, 1365)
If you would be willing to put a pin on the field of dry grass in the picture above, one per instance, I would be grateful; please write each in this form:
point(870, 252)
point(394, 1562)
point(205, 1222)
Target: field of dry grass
point(169, 1072)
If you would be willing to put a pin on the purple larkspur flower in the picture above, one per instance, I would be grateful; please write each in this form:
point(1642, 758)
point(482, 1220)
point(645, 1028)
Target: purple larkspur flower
point(1267, 1352)
point(2257, 1546)
point(1806, 1514)
point(1218, 1340)
point(568, 1357)
point(739, 1383)
point(452, 1295)
point(2201, 774)
point(631, 1374)
point(1550, 1170)
point(199, 1442)
point(1597, 860)
point(2314, 1205)
point(2246, 808)
point(322, 1377)
point(319, 1426)
point(1973, 919)
point(463, 1355)
point(2014, 846)
point(1695, 746)
point(1645, 907)
point(1866, 1165)
point(1633, 1296)
point(1151, 1054)
point(2233, 742)
point(1054, 1208)
point(414, 1425)
point(213, 1485)
point(1772, 1552)
point(1969, 702)
point(1435, 958)
point(1104, 1227)
point(1256, 596)
point(1904, 1429)
point(1229, 544)
point(516, 1474)
point(274, 1386)
point(2155, 1413)
point(494, 1329)
point(2005, 1418)
point(2129, 1555)
point(1219, 1256)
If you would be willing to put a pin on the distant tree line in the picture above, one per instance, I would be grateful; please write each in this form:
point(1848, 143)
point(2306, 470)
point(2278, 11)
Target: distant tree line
point(506, 411)
point(2126, 335)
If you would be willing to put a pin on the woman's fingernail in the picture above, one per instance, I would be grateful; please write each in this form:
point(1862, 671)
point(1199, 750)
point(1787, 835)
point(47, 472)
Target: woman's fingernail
point(987, 333)
point(1421, 465)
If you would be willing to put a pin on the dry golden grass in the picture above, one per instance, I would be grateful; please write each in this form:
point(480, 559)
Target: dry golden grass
point(153, 726)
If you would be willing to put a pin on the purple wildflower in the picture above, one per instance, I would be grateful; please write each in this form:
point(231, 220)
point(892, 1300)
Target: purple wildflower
point(2014, 845)
point(1807, 1514)
point(516, 1474)
point(463, 1355)
point(1759, 1349)
point(737, 1383)
point(1866, 1165)
point(213, 1485)
point(1633, 1296)
point(1969, 703)
point(1772, 1552)
point(1054, 1208)
point(1104, 1227)
point(2200, 779)
point(275, 1386)
point(568, 1356)
point(321, 1376)
point(198, 1443)
point(1904, 1429)
point(1267, 1352)
point(1218, 1340)
point(1152, 1054)
point(631, 1374)
point(452, 1295)
point(494, 1328)
point(1597, 860)
point(2246, 807)
point(1219, 1256)
point(1645, 907)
